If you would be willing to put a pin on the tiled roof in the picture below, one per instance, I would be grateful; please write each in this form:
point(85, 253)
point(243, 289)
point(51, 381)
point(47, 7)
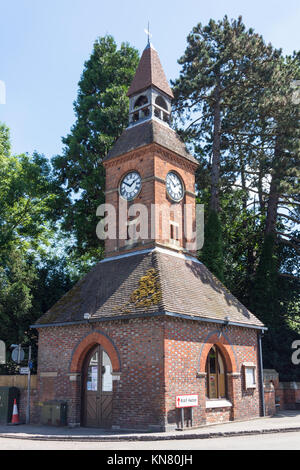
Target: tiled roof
point(189, 288)
point(146, 133)
point(148, 283)
point(149, 73)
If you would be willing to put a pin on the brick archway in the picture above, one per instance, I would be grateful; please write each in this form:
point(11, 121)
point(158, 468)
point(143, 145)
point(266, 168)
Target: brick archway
point(87, 344)
point(226, 349)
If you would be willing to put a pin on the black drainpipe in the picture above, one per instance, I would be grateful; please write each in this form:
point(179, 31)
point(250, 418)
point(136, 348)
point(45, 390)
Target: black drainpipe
point(261, 375)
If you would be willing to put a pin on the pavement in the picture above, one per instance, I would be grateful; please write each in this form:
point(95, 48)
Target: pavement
point(283, 421)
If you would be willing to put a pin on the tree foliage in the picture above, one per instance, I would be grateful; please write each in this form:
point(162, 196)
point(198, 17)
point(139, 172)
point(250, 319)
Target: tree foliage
point(235, 107)
point(236, 110)
point(28, 209)
point(101, 111)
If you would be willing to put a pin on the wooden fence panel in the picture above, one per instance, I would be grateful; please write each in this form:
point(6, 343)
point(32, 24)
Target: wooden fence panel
point(19, 381)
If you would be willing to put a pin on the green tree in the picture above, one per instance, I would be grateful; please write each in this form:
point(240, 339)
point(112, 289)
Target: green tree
point(101, 112)
point(212, 253)
point(235, 106)
point(28, 197)
point(17, 276)
point(220, 59)
point(276, 284)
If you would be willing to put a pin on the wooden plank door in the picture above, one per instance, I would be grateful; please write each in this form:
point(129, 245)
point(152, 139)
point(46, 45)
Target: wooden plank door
point(97, 389)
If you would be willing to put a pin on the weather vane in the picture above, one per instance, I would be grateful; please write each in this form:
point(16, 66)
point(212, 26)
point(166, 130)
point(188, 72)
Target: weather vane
point(147, 31)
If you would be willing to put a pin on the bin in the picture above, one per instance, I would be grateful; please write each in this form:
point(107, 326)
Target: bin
point(54, 413)
point(46, 416)
point(7, 397)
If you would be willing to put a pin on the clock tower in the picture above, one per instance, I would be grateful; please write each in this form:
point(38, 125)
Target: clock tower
point(149, 339)
point(150, 179)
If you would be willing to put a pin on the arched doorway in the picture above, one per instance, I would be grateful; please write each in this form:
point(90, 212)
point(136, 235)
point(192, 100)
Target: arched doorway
point(97, 392)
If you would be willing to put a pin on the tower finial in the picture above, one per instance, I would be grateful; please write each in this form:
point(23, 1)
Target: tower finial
point(147, 31)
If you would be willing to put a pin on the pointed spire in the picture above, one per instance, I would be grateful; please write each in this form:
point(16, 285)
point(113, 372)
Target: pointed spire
point(147, 31)
point(149, 73)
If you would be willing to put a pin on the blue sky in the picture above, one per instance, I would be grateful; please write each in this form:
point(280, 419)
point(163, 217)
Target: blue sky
point(44, 44)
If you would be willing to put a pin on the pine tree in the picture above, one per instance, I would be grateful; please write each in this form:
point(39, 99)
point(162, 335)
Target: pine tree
point(219, 61)
point(212, 253)
point(235, 105)
point(101, 112)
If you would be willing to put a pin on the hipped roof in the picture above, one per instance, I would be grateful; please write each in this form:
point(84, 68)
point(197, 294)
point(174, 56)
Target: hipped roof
point(149, 283)
point(146, 133)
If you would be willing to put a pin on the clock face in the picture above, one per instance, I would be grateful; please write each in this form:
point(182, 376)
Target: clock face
point(174, 186)
point(130, 185)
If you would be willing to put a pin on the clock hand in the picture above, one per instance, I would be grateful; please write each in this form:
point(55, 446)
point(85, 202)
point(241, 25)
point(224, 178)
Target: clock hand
point(174, 187)
point(134, 181)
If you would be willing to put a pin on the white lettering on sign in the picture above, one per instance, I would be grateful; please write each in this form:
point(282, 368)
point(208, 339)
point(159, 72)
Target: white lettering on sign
point(185, 401)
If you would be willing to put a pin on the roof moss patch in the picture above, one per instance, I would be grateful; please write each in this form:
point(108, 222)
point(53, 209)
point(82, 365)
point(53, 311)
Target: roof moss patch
point(147, 294)
point(149, 290)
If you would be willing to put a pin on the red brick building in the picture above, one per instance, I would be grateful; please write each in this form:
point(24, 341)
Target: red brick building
point(149, 322)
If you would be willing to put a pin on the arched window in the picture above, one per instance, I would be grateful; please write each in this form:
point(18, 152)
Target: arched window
point(140, 101)
point(216, 373)
point(161, 102)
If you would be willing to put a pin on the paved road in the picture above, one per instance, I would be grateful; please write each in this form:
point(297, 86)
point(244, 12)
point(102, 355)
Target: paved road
point(278, 441)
